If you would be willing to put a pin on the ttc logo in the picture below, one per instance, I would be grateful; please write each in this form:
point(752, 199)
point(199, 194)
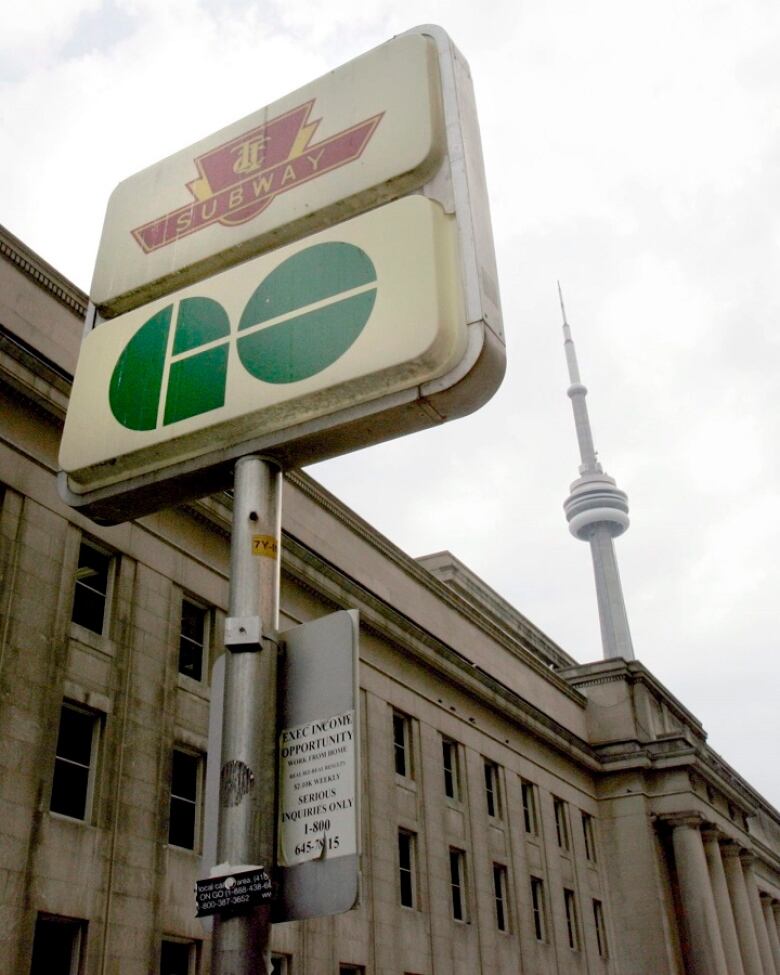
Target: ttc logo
point(158, 381)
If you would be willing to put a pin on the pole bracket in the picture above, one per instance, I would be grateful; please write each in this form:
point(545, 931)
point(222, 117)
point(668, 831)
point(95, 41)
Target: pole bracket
point(243, 634)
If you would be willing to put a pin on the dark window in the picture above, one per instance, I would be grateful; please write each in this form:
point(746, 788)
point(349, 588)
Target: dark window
point(561, 825)
point(590, 837)
point(402, 744)
point(177, 957)
point(351, 970)
point(537, 907)
point(74, 763)
point(406, 867)
point(458, 884)
point(280, 965)
point(58, 945)
point(529, 809)
point(449, 751)
point(185, 787)
point(499, 893)
point(492, 795)
point(570, 906)
point(91, 590)
point(601, 931)
point(192, 639)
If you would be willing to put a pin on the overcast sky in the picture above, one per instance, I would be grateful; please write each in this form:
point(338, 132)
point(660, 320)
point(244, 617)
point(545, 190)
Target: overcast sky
point(632, 151)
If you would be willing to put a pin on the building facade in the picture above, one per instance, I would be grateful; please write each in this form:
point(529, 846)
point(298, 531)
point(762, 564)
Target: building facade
point(522, 813)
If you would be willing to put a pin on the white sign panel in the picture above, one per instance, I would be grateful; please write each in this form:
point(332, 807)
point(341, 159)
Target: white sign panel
point(365, 133)
point(318, 814)
point(317, 790)
point(345, 316)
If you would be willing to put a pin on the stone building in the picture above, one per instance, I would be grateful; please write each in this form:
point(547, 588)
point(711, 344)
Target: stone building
point(522, 813)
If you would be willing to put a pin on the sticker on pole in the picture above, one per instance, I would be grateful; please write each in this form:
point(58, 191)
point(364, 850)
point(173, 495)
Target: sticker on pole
point(265, 545)
point(235, 893)
point(317, 790)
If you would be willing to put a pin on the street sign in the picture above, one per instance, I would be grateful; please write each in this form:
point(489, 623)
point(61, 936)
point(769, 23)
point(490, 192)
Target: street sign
point(344, 317)
point(317, 870)
point(318, 817)
point(317, 789)
point(209, 353)
point(235, 892)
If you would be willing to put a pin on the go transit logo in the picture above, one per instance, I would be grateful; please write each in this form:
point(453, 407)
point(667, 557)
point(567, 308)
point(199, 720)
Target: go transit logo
point(299, 320)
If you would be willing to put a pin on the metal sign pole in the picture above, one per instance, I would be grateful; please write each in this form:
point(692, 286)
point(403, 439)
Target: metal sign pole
point(241, 943)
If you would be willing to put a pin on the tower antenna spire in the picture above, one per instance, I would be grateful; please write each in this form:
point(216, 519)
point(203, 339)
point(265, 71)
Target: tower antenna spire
point(597, 512)
point(563, 308)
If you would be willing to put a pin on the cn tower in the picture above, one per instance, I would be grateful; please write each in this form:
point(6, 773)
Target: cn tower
point(597, 512)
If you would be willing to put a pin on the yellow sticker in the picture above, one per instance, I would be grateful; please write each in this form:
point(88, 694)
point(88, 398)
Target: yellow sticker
point(264, 545)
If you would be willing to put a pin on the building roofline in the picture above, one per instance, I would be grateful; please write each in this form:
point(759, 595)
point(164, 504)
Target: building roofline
point(479, 615)
point(42, 273)
point(457, 576)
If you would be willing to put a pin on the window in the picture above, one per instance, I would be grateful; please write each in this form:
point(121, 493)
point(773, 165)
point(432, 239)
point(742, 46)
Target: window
point(590, 837)
point(458, 884)
point(449, 753)
point(561, 825)
point(178, 957)
point(90, 597)
point(402, 744)
point(75, 761)
point(492, 793)
point(537, 908)
point(601, 931)
point(185, 796)
point(570, 906)
point(406, 842)
point(500, 894)
point(351, 970)
point(280, 964)
point(192, 639)
point(530, 818)
point(58, 945)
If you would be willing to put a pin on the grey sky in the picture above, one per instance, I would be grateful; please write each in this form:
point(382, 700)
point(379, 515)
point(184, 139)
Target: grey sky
point(631, 151)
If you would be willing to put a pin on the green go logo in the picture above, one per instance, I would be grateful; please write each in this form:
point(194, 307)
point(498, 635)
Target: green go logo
point(319, 318)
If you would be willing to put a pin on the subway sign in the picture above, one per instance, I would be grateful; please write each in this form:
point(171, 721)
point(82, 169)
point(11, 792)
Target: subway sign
point(310, 280)
point(363, 134)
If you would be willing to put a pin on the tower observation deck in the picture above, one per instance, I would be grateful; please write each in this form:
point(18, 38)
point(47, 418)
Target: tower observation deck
point(597, 512)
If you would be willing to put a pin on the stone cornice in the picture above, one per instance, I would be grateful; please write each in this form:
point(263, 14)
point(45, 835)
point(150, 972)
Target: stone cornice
point(216, 512)
point(676, 751)
point(41, 382)
point(690, 818)
point(632, 672)
point(731, 848)
point(42, 273)
point(726, 774)
point(711, 833)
